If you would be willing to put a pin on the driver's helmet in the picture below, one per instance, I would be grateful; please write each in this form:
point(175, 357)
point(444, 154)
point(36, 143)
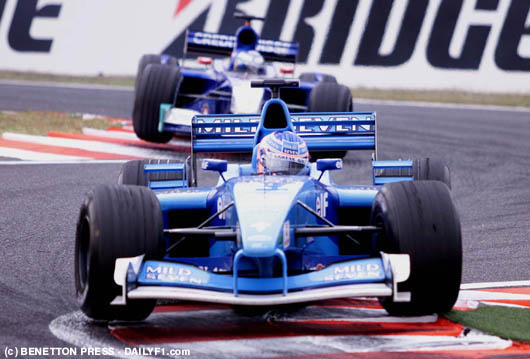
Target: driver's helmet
point(248, 62)
point(282, 152)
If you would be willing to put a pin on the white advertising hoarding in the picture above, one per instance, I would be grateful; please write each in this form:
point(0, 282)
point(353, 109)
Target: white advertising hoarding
point(478, 45)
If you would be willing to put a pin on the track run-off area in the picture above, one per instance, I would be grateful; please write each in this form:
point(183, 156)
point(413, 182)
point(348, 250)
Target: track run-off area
point(487, 149)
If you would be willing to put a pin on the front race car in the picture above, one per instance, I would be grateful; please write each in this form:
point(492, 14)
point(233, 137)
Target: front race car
point(262, 239)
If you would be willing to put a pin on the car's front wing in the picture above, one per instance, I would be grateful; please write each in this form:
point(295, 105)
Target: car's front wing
point(373, 277)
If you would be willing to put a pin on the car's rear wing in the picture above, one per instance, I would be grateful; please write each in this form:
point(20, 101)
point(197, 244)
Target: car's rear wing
point(207, 43)
point(331, 131)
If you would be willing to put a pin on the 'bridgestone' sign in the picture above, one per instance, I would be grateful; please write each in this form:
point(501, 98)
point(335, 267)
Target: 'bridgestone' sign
point(464, 44)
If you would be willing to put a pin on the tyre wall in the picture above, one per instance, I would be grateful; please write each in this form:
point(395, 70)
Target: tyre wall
point(481, 45)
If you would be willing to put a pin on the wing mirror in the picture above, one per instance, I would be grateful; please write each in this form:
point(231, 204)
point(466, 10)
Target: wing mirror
point(215, 165)
point(328, 164)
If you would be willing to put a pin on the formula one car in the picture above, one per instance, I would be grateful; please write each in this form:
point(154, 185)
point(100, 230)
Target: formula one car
point(266, 235)
point(167, 95)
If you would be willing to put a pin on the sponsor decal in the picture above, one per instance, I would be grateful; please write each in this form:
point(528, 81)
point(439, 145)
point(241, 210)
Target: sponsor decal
point(276, 47)
point(218, 40)
point(172, 273)
point(321, 204)
point(220, 205)
point(234, 130)
point(347, 126)
point(355, 272)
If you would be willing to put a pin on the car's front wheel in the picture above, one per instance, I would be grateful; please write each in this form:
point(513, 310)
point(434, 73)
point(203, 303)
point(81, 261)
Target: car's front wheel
point(158, 84)
point(152, 59)
point(419, 219)
point(114, 222)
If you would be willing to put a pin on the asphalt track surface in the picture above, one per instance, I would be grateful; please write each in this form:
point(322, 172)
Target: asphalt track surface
point(488, 152)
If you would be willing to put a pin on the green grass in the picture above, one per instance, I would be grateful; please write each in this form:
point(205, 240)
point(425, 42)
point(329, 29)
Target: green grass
point(447, 96)
point(39, 122)
point(505, 322)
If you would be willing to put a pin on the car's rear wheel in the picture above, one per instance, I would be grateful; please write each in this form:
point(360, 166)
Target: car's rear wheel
point(158, 84)
point(419, 219)
point(152, 59)
point(132, 173)
point(114, 222)
point(317, 77)
point(433, 169)
point(330, 97)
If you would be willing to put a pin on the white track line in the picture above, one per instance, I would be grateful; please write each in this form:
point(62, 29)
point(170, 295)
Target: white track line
point(110, 134)
point(90, 145)
point(126, 136)
point(59, 162)
point(484, 285)
point(73, 329)
point(480, 295)
point(35, 156)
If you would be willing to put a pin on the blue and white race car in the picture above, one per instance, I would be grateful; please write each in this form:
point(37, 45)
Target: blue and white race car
point(272, 232)
point(169, 94)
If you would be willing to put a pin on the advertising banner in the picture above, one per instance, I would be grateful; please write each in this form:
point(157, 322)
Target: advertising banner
point(477, 45)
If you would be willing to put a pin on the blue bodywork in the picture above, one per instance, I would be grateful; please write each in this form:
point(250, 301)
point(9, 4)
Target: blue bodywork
point(263, 234)
point(209, 87)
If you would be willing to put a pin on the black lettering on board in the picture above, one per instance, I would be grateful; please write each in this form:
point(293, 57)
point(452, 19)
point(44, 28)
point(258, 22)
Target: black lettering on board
point(368, 54)
point(2, 6)
point(442, 34)
point(304, 33)
point(506, 56)
point(25, 12)
point(338, 31)
point(274, 19)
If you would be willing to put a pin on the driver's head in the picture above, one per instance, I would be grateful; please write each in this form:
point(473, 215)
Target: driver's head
point(248, 62)
point(282, 152)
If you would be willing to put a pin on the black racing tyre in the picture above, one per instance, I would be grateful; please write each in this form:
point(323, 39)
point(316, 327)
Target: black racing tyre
point(433, 169)
point(419, 219)
point(158, 84)
point(151, 59)
point(114, 221)
point(330, 97)
point(132, 173)
point(313, 77)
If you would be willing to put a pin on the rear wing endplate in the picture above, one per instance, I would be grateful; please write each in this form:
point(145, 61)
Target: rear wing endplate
point(207, 43)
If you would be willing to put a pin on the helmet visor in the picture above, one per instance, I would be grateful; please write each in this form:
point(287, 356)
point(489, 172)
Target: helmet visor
point(285, 166)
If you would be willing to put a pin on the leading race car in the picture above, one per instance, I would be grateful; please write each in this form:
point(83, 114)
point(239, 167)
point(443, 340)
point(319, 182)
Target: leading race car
point(274, 231)
point(167, 95)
